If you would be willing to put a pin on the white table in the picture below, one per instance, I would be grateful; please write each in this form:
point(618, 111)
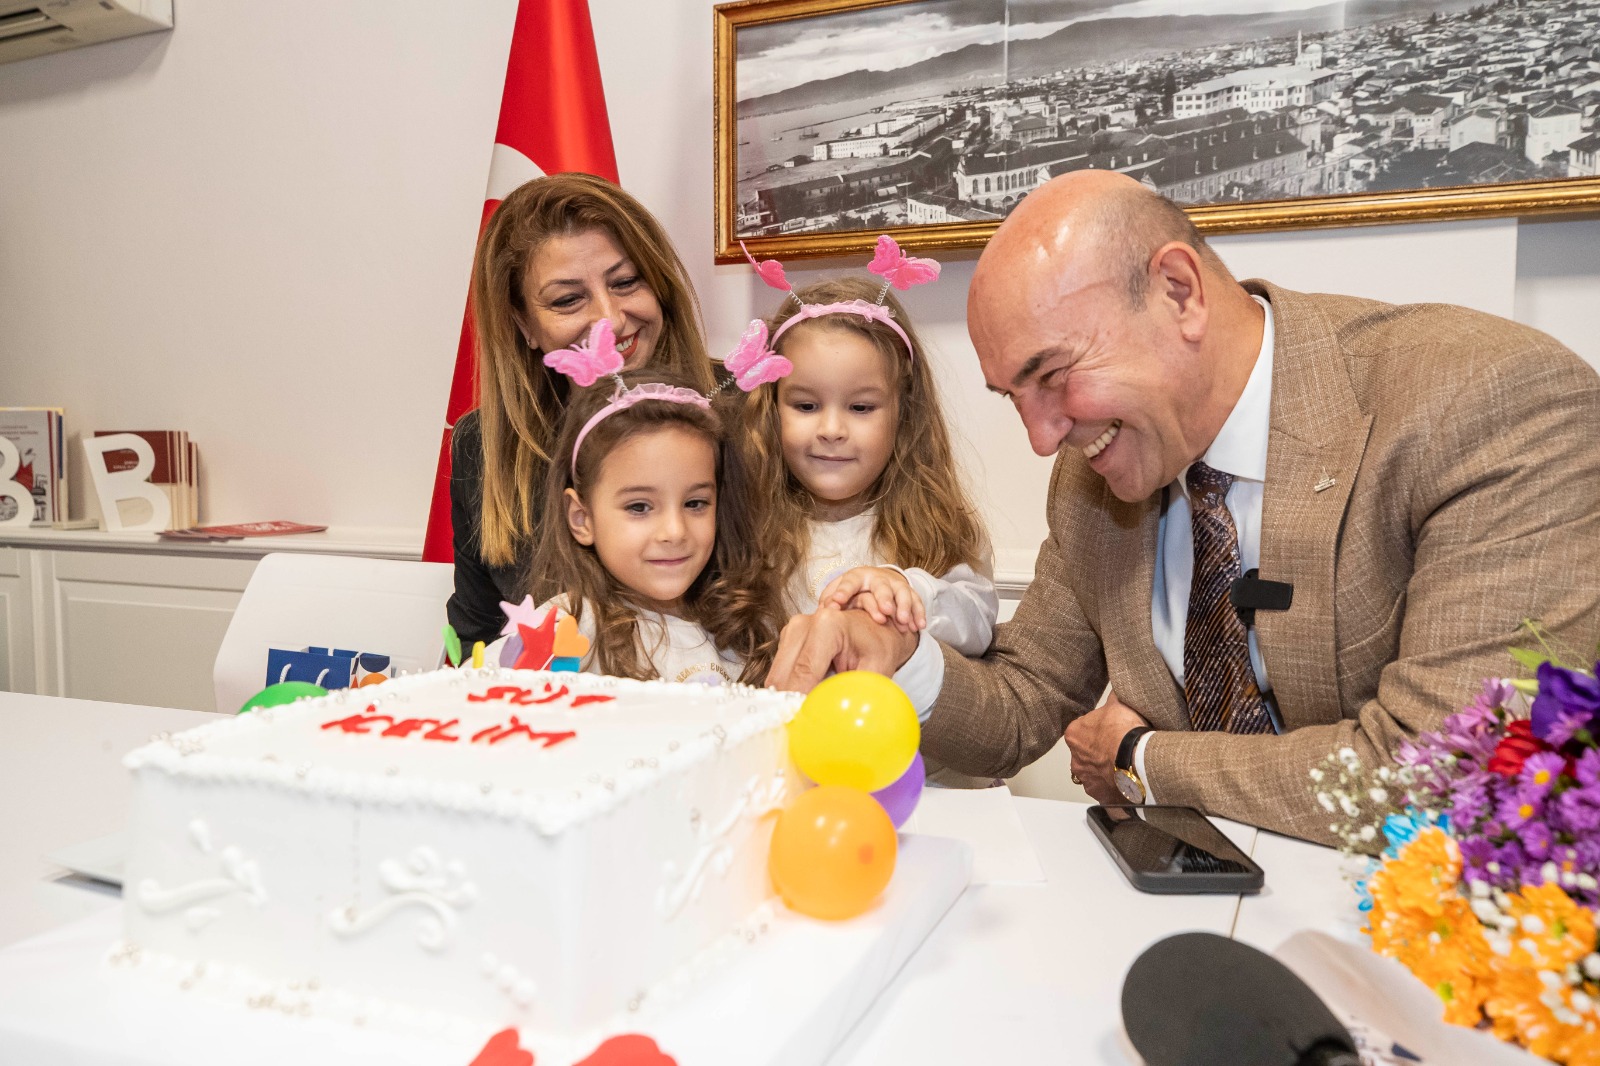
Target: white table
point(1307, 888)
point(1027, 973)
point(1014, 972)
point(61, 783)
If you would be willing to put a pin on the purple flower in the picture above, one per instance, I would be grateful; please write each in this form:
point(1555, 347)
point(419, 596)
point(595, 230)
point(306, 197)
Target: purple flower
point(1517, 808)
point(1588, 769)
point(1568, 700)
point(1516, 868)
point(1469, 735)
point(1564, 725)
point(1469, 798)
point(1578, 806)
point(1536, 841)
point(1578, 811)
point(1475, 855)
point(1540, 773)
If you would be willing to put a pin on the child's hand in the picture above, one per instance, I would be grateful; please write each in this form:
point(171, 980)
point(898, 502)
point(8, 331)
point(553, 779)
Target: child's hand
point(883, 593)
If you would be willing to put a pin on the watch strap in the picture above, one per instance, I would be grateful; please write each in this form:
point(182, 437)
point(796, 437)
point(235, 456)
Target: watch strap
point(1130, 741)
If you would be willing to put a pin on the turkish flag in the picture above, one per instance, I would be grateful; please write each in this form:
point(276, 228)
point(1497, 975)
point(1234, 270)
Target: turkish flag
point(552, 119)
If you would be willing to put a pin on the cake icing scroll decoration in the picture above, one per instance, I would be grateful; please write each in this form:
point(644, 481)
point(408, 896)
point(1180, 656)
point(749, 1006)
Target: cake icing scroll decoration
point(239, 874)
point(715, 852)
point(424, 880)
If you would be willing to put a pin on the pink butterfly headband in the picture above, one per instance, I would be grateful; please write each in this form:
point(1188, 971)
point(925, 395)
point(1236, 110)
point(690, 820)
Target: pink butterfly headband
point(587, 361)
point(888, 262)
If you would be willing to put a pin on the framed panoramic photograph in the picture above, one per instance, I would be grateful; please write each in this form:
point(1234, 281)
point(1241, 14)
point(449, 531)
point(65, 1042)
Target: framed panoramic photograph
point(840, 119)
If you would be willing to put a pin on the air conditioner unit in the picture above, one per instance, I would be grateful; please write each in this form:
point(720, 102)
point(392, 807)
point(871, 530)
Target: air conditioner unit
point(31, 28)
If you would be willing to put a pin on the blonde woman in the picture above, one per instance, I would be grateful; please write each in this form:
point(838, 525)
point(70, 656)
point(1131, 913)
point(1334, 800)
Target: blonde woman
point(560, 253)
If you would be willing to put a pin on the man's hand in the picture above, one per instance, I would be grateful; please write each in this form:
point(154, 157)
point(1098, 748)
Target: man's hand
point(883, 592)
point(813, 645)
point(1093, 739)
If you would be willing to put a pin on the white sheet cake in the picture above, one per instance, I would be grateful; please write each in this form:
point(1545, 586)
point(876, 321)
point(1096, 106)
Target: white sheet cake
point(524, 848)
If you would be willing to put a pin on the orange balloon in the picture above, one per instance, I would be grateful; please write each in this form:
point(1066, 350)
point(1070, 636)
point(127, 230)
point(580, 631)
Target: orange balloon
point(833, 852)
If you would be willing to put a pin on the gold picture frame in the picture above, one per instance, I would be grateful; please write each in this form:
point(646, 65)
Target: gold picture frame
point(750, 207)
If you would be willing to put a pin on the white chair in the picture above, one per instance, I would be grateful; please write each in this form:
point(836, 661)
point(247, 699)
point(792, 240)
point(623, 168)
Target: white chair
point(368, 605)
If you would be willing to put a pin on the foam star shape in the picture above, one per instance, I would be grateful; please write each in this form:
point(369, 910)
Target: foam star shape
point(520, 614)
point(538, 643)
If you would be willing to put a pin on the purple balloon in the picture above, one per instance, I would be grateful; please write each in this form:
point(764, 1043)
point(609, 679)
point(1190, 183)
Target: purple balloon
point(900, 798)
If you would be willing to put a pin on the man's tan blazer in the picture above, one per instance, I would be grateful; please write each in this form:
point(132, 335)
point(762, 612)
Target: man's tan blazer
point(1464, 455)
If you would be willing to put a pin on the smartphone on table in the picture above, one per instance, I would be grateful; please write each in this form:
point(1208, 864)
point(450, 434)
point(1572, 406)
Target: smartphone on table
point(1173, 850)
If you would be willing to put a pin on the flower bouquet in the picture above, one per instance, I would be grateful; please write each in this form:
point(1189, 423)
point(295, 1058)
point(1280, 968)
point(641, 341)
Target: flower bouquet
point(1489, 878)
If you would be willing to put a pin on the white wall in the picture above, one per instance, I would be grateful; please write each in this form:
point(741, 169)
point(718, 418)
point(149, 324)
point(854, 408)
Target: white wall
point(261, 232)
point(258, 228)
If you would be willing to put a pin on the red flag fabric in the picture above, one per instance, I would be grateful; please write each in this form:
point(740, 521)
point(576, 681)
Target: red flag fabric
point(552, 119)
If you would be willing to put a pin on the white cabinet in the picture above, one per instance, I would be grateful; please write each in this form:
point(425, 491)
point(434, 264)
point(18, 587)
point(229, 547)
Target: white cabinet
point(134, 627)
point(130, 618)
point(17, 669)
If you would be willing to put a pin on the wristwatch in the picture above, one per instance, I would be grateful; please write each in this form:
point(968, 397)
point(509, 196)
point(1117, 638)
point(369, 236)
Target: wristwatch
point(1127, 775)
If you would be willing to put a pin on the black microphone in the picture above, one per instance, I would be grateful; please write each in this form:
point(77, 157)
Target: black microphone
point(1199, 999)
point(1252, 593)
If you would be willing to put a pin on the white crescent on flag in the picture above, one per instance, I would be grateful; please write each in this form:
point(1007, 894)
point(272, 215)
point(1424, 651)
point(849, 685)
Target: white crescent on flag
point(509, 168)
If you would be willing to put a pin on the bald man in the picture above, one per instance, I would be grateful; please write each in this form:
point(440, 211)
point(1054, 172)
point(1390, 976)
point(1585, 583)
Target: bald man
point(1424, 477)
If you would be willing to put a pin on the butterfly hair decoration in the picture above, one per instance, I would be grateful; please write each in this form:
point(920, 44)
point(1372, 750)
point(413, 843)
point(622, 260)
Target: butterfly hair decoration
point(769, 270)
point(898, 270)
point(588, 361)
point(752, 362)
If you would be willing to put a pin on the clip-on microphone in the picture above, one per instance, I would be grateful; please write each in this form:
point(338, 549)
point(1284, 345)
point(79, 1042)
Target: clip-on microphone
point(1251, 593)
point(1199, 999)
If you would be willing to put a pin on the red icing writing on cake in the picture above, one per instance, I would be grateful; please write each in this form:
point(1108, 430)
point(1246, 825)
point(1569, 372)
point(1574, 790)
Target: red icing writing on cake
point(437, 730)
point(526, 697)
point(522, 697)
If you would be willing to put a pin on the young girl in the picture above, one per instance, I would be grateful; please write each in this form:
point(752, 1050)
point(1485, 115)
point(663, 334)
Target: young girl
point(864, 505)
point(652, 545)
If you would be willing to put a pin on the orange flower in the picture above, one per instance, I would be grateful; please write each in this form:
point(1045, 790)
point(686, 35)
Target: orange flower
point(1552, 930)
point(1542, 1018)
point(1420, 918)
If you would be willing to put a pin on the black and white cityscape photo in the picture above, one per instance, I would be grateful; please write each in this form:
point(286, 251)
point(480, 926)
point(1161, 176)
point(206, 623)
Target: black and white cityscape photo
point(953, 110)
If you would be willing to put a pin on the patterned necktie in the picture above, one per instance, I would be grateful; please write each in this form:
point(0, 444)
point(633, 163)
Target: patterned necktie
point(1218, 680)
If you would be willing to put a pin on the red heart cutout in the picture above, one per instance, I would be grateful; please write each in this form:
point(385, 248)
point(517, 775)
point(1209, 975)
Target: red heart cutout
point(630, 1049)
point(503, 1050)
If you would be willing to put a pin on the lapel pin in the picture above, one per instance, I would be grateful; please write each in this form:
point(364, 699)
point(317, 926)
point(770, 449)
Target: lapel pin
point(1324, 485)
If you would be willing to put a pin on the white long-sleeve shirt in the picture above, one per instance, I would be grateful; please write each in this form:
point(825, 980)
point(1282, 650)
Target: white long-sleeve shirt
point(677, 649)
point(960, 606)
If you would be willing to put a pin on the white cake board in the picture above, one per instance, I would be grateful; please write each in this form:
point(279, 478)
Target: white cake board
point(787, 1000)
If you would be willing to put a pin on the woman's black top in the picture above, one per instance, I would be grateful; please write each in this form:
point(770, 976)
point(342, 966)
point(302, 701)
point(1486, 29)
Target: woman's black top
point(474, 607)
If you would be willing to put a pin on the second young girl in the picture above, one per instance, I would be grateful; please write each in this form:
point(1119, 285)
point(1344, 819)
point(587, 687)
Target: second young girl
point(864, 505)
point(652, 544)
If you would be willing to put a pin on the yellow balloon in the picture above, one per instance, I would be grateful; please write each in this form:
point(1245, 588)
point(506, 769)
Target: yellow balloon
point(855, 729)
point(833, 852)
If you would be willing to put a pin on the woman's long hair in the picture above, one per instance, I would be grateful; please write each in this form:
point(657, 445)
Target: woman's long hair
point(924, 516)
point(520, 399)
point(734, 599)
